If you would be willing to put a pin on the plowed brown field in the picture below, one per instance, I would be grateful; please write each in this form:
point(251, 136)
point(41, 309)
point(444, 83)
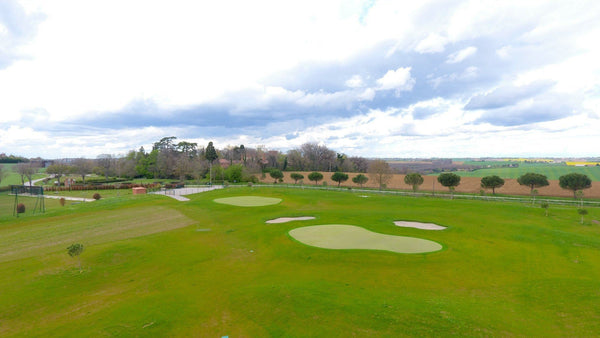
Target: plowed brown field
point(467, 185)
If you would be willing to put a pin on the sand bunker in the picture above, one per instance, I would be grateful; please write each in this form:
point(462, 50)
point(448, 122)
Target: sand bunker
point(289, 219)
point(339, 236)
point(248, 201)
point(419, 225)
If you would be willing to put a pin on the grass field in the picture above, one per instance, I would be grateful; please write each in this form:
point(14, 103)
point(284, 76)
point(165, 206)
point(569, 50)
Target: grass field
point(506, 269)
point(12, 177)
point(552, 171)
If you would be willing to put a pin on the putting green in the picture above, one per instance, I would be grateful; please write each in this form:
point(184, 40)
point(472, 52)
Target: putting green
point(338, 236)
point(248, 201)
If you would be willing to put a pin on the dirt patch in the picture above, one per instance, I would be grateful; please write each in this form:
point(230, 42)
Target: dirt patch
point(419, 225)
point(289, 219)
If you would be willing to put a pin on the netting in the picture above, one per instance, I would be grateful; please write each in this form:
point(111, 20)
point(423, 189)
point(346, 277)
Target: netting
point(28, 199)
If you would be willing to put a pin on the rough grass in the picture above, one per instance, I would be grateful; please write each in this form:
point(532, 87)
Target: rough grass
point(507, 270)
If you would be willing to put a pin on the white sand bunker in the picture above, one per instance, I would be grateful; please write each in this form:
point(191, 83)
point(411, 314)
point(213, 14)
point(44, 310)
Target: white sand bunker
point(289, 219)
point(419, 225)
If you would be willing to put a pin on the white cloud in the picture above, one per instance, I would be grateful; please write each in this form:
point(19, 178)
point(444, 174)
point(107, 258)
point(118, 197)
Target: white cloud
point(355, 81)
point(468, 73)
point(433, 43)
point(461, 55)
point(398, 79)
point(504, 52)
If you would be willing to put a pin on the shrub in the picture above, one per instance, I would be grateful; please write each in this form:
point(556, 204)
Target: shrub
point(20, 208)
point(96, 196)
point(62, 201)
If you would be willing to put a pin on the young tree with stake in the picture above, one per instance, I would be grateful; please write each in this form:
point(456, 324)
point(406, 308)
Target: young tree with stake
point(75, 250)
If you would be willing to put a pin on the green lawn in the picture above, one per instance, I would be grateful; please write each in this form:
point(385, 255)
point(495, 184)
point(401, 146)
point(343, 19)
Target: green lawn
point(12, 178)
point(552, 171)
point(153, 266)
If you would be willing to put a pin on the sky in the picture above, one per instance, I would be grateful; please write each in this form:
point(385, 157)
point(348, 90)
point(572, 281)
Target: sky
point(406, 79)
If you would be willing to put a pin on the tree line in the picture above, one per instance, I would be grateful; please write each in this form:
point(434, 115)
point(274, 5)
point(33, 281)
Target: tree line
point(182, 160)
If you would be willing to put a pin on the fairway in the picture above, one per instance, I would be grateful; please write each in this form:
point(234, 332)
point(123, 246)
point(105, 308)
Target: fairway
point(153, 266)
point(248, 201)
point(339, 236)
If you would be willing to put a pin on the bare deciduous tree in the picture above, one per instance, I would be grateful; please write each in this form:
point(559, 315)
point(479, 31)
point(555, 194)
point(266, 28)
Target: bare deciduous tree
point(380, 172)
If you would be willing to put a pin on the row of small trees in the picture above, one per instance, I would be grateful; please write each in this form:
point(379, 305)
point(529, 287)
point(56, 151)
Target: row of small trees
point(573, 181)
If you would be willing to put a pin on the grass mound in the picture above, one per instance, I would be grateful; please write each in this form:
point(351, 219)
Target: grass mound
point(338, 236)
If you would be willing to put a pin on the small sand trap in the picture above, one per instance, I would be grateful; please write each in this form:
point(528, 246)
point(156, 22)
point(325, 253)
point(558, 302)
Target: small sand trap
point(289, 219)
point(418, 225)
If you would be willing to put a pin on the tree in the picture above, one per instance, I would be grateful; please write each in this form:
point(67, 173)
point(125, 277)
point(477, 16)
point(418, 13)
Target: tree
point(414, 180)
point(318, 157)
point(242, 151)
point(57, 170)
point(574, 181)
point(186, 148)
point(359, 164)
point(582, 212)
point(492, 182)
point(360, 179)
point(211, 155)
point(339, 177)
point(75, 250)
point(183, 167)
point(234, 173)
point(315, 176)
point(106, 163)
point(82, 167)
point(450, 181)
point(380, 171)
point(276, 174)
point(545, 206)
point(25, 170)
point(296, 177)
point(533, 180)
point(295, 160)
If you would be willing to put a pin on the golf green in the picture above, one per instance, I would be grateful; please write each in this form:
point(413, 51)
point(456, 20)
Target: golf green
point(248, 201)
point(338, 236)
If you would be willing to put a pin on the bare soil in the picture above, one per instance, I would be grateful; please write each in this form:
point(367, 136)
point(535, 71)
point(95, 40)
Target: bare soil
point(467, 185)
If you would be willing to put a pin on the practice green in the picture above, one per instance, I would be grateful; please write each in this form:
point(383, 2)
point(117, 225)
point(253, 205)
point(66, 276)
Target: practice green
point(248, 201)
point(338, 236)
